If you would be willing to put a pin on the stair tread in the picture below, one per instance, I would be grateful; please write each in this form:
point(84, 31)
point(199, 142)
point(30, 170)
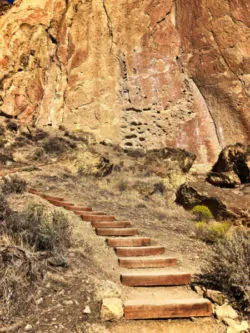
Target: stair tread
point(146, 258)
point(154, 273)
point(166, 301)
point(117, 228)
point(111, 224)
point(128, 242)
point(91, 217)
point(139, 251)
point(140, 247)
point(171, 308)
point(146, 262)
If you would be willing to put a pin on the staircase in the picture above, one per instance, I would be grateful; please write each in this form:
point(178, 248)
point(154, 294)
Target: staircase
point(142, 266)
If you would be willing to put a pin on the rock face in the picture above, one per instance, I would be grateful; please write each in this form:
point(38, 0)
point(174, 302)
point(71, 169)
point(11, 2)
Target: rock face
point(225, 204)
point(233, 160)
point(143, 74)
point(4, 6)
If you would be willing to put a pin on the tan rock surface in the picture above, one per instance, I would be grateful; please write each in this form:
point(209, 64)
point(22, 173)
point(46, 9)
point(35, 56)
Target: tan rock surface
point(139, 73)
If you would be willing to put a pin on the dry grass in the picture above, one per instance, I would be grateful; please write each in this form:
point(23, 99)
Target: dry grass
point(19, 273)
point(38, 229)
point(13, 184)
point(228, 270)
point(31, 241)
point(57, 145)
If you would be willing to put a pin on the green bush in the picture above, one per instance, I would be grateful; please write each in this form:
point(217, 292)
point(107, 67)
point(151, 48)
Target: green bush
point(212, 232)
point(40, 230)
point(202, 213)
point(228, 270)
point(13, 184)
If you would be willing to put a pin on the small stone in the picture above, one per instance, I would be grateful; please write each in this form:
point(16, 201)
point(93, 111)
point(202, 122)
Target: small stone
point(112, 309)
point(39, 301)
point(225, 311)
point(199, 290)
point(69, 302)
point(236, 326)
point(28, 327)
point(56, 278)
point(215, 296)
point(87, 310)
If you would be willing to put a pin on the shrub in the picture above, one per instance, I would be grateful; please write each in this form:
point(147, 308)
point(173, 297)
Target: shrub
point(122, 185)
point(212, 232)
point(39, 135)
point(38, 154)
point(20, 141)
point(202, 213)
point(38, 229)
point(12, 126)
point(57, 145)
point(159, 187)
point(228, 270)
point(6, 156)
point(13, 184)
point(4, 207)
point(19, 272)
point(2, 130)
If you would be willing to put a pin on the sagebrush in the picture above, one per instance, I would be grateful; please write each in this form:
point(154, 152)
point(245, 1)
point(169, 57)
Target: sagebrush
point(38, 229)
point(228, 270)
point(13, 184)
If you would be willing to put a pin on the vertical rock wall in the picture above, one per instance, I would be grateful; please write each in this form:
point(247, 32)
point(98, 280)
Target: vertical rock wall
point(142, 73)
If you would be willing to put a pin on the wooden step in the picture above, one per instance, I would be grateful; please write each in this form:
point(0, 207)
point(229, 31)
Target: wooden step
point(33, 191)
point(61, 204)
point(87, 213)
point(157, 262)
point(139, 251)
point(155, 279)
point(111, 224)
point(171, 308)
point(79, 209)
point(129, 241)
point(89, 217)
point(47, 197)
point(116, 231)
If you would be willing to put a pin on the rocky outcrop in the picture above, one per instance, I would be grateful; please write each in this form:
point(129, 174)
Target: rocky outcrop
point(163, 161)
point(232, 167)
point(225, 204)
point(4, 6)
point(143, 74)
point(223, 179)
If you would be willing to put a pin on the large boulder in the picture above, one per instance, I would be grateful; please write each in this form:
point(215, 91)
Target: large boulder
point(4, 7)
point(232, 159)
point(223, 179)
point(223, 203)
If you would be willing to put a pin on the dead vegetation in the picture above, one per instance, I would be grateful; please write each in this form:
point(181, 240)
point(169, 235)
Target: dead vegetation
point(20, 270)
point(31, 241)
point(228, 270)
point(13, 184)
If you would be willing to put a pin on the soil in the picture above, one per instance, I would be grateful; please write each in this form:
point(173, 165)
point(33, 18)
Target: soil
point(64, 295)
point(68, 300)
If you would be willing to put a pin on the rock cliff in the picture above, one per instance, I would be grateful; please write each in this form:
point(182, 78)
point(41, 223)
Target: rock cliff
point(141, 73)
